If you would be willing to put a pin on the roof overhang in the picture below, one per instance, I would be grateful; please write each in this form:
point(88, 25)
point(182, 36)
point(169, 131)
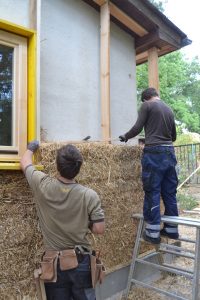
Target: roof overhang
point(149, 27)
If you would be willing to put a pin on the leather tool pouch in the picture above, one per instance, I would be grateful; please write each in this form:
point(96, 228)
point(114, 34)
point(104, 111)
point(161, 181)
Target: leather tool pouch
point(68, 259)
point(97, 270)
point(49, 266)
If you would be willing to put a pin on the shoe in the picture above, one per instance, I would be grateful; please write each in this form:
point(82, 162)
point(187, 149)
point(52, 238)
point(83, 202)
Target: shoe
point(150, 239)
point(173, 236)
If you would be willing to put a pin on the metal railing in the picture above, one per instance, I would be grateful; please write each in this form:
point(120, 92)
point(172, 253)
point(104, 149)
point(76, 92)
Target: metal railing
point(188, 160)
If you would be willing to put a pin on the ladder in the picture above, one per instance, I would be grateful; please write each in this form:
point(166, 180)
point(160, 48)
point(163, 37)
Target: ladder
point(172, 249)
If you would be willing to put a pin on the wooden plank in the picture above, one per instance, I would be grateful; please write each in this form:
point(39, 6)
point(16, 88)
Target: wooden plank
point(105, 70)
point(126, 20)
point(33, 14)
point(153, 71)
point(100, 2)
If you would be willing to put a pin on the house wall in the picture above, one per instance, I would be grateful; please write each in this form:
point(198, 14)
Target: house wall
point(122, 81)
point(70, 73)
point(70, 103)
point(15, 11)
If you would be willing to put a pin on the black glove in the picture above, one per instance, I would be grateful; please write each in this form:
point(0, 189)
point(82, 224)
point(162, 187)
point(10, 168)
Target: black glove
point(123, 138)
point(33, 146)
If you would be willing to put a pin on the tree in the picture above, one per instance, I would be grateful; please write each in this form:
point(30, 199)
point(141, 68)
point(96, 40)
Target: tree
point(159, 4)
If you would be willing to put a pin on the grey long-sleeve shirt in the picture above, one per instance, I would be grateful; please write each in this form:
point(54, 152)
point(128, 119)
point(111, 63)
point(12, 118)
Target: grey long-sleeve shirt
point(157, 119)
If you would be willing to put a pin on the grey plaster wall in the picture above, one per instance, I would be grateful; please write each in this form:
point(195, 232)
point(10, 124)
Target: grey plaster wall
point(70, 79)
point(70, 73)
point(123, 81)
point(15, 11)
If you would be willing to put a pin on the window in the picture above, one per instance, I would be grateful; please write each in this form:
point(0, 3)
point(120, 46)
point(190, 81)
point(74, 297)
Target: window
point(13, 95)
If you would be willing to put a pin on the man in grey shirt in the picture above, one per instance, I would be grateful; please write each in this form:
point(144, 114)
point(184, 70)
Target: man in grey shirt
point(158, 164)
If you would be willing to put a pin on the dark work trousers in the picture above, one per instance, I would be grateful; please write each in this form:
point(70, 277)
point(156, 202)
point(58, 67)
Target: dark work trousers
point(74, 284)
point(159, 180)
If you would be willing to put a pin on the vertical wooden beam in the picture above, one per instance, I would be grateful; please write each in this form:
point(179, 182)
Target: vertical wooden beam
point(105, 70)
point(153, 69)
point(33, 14)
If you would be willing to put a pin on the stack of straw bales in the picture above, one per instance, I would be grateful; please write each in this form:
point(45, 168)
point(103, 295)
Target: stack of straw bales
point(114, 172)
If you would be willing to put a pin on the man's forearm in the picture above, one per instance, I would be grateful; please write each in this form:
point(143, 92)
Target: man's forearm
point(26, 160)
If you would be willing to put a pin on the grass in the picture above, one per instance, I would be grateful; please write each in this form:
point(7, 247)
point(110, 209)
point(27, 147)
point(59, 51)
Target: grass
point(186, 202)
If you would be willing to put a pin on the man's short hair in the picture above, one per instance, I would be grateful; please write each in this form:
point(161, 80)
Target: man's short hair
point(69, 161)
point(148, 94)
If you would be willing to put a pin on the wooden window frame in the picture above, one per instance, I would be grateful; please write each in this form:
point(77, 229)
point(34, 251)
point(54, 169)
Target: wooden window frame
point(10, 162)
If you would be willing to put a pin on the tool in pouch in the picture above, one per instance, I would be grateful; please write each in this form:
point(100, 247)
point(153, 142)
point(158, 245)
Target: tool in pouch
point(98, 270)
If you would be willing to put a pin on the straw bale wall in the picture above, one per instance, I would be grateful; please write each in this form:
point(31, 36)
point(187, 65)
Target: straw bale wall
point(114, 172)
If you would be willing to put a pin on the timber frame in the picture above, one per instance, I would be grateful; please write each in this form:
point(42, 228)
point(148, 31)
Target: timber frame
point(154, 34)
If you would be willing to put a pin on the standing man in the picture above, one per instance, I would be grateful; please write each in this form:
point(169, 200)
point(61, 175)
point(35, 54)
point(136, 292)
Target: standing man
point(66, 210)
point(158, 164)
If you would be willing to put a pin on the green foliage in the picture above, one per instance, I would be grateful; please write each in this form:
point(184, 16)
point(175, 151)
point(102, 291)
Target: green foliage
point(158, 4)
point(186, 202)
point(179, 88)
point(187, 138)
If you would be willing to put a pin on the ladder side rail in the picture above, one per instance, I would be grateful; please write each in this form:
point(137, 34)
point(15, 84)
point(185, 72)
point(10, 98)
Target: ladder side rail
point(195, 288)
point(135, 253)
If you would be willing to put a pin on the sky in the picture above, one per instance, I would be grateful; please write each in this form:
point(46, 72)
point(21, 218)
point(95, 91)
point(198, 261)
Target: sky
point(185, 14)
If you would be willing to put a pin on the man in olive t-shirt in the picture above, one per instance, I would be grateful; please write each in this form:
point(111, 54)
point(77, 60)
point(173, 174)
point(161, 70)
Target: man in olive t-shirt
point(66, 210)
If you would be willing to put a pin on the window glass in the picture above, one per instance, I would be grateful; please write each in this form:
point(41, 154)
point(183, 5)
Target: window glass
point(6, 95)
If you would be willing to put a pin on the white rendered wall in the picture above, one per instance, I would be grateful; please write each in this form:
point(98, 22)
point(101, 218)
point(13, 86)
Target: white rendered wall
point(123, 82)
point(15, 11)
point(70, 75)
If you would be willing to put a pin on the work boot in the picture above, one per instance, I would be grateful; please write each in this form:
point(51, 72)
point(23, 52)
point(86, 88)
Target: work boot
point(173, 236)
point(150, 239)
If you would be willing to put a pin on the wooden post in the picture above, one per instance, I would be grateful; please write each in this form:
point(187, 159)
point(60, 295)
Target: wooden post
point(153, 68)
point(33, 14)
point(105, 70)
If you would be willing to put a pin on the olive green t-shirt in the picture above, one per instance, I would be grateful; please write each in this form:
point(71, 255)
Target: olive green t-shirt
point(64, 210)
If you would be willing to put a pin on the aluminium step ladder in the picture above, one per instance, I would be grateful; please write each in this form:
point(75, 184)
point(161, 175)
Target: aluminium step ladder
point(172, 249)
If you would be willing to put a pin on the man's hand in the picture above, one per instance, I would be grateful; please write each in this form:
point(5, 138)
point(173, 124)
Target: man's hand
point(123, 138)
point(33, 146)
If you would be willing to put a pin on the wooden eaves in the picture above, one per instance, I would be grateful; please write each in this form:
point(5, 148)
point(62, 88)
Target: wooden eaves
point(150, 27)
point(154, 36)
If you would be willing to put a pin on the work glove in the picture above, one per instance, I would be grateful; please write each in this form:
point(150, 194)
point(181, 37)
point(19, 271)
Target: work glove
point(33, 146)
point(123, 138)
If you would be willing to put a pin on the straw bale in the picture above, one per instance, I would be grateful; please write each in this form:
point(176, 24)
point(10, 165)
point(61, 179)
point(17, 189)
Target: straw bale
point(114, 172)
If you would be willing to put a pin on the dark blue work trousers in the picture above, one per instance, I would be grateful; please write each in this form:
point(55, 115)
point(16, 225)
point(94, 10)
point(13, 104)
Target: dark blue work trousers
point(74, 284)
point(159, 180)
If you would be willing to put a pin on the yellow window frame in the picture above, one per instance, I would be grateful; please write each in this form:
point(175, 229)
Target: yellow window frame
point(31, 85)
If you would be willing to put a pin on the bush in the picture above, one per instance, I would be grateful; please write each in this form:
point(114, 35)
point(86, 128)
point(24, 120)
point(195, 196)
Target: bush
point(186, 202)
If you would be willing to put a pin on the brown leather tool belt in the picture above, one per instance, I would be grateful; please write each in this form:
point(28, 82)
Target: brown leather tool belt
point(67, 259)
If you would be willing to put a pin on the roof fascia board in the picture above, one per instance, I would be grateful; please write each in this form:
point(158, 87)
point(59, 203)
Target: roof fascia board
point(153, 39)
point(157, 17)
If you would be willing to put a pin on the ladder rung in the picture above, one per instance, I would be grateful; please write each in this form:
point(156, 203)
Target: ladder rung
point(181, 221)
point(163, 268)
point(177, 253)
point(179, 249)
point(178, 268)
point(158, 290)
point(174, 220)
point(182, 239)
